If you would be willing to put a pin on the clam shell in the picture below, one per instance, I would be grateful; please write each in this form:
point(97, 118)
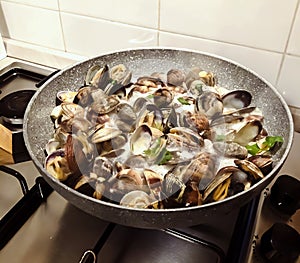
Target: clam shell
point(237, 99)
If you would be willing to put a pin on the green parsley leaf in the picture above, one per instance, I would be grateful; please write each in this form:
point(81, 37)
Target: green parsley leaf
point(271, 143)
point(150, 96)
point(167, 157)
point(183, 101)
point(153, 151)
point(199, 87)
point(272, 140)
point(253, 149)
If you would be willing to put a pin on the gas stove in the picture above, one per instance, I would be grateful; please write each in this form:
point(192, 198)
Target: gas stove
point(38, 225)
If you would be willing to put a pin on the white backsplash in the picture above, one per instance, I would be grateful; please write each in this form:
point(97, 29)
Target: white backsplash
point(262, 35)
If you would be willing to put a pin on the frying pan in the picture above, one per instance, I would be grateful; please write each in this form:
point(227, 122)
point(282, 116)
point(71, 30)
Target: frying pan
point(38, 129)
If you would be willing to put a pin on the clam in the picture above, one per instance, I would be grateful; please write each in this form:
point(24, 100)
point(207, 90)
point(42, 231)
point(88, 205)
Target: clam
point(183, 144)
point(105, 134)
point(85, 185)
point(84, 96)
point(102, 167)
point(175, 77)
point(121, 74)
point(185, 137)
point(162, 97)
point(52, 146)
point(159, 75)
point(236, 115)
point(78, 152)
point(70, 110)
point(191, 195)
point(197, 87)
point(136, 161)
point(237, 99)
point(125, 181)
point(250, 168)
point(113, 153)
point(248, 132)
point(56, 113)
point(56, 164)
point(99, 190)
point(136, 199)
point(210, 104)
point(225, 119)
point(112, 147)
point(208, 78)
point(98, 76)
point(263, 162)
point(173, 186)
point(91, 186)
point(228, 181)
point(149, 82)
point(115, 89)
point(154, 182)
point(180, 192)
point(140, 140)
point(201, 169)
point(91, 73)
point(65, 96)
point(131, 176)
point(156, 151)
point(126, 117)
point(191, 76)
point(231, 149)
point(171, 120)
point(151, 116)
point(61, 136)
point(75, 124)
point(145, 84)
point(196, 121)
point(106, 105)
point(139, 103)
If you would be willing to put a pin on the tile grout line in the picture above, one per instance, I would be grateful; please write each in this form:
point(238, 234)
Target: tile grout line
point(30, 5)
point(61, 27)
point(287, 44)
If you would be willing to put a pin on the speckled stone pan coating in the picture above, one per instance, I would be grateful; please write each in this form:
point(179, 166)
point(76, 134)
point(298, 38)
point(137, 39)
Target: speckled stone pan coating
point(38, 129)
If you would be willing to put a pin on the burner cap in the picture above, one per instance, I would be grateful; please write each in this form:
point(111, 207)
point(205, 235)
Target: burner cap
point(13, 106)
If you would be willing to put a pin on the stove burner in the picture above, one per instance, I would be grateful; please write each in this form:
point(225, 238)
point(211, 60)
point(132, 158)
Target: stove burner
point(13, 106)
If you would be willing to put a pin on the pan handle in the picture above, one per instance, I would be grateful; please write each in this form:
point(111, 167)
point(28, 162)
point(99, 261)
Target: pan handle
point(40, 83)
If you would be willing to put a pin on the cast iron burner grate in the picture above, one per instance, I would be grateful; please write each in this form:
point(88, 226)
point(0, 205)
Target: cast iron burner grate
point(16, 217)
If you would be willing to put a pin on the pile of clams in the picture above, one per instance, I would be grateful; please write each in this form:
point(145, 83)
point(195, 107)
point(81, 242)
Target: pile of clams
point(168, 140)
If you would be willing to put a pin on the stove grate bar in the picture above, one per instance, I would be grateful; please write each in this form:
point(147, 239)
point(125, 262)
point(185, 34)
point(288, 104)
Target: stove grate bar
point(196, 240)
point(16, 174)
point(90, 255)
point(16, 217)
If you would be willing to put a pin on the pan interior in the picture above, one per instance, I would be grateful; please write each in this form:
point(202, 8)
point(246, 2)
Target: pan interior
point(39, 128)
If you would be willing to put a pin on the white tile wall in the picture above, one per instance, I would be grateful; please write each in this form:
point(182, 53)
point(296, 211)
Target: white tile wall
point(262, 35)
point(50, 4)
point(91, 37)
point(294, 43)
point(288, 83)
point(32, 24)
point(136, 12)
point(262, 24)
